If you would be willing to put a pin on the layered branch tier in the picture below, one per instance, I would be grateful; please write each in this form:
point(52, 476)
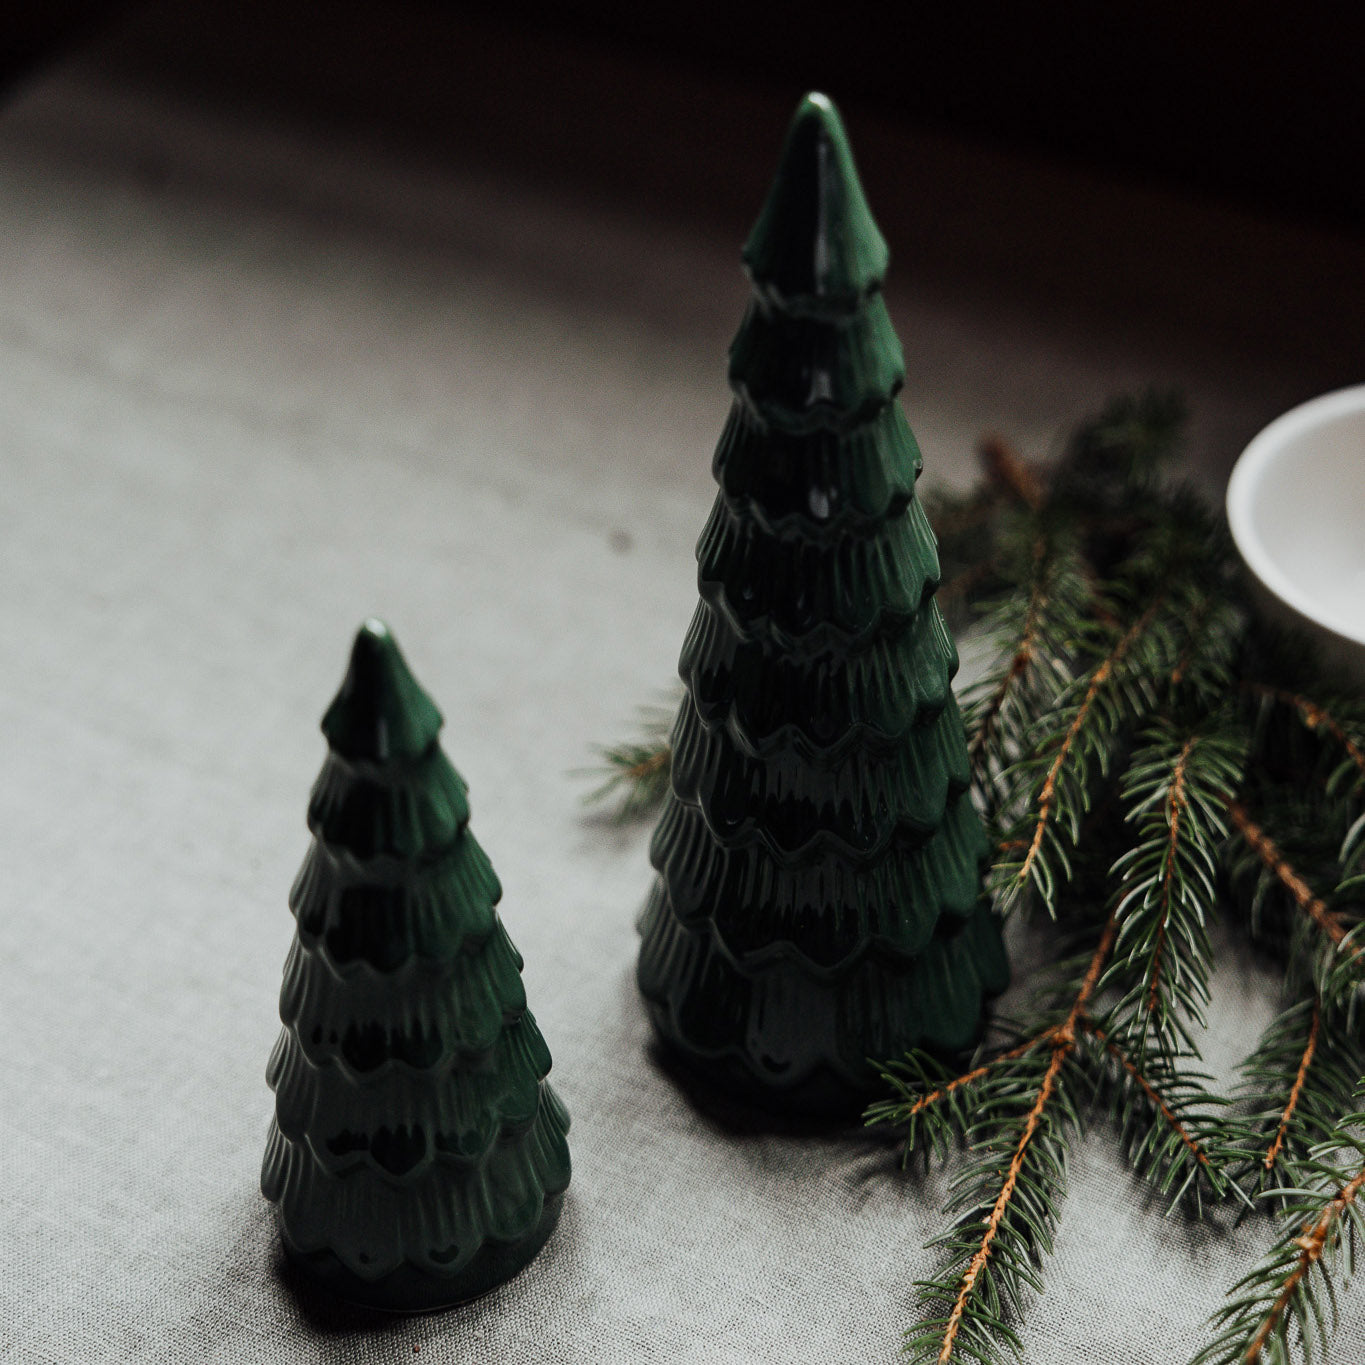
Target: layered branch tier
point(421, 1014)
point(406, 1117)
point(823, 912)
point(825, 700)
point(798, 800)
point(381, 912)
point(810, 592)
point(783, 1027)
point(408, 810)
point(440, 1221)
point(821, 483)
point(800, 375)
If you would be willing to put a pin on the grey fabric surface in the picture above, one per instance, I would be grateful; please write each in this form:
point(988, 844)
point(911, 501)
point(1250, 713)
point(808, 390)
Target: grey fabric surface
point(253, 387)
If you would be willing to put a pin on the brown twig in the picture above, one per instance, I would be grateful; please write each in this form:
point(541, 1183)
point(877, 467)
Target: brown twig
point(1315, 717)
point(978, 1261)
point(1152, 1094)
point(1268, 852)
point(1063, 1039)
point(1304, 1063)
point(1311, 1243)
point(1006, 467)
point(942, 1093)
point(647, 767)
point(1098, 679)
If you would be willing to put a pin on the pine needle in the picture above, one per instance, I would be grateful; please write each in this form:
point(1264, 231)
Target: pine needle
point(635, 774)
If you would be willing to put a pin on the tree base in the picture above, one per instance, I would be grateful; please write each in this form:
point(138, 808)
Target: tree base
point(730, 1089)
point(727, 1091)
point(409, 1289)
point(727, 1083)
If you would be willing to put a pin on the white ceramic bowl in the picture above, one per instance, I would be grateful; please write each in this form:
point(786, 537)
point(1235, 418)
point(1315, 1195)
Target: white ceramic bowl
point(1296, 506)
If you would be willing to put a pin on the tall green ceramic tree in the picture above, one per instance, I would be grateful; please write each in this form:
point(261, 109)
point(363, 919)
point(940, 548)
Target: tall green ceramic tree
point(417, 1155)
point(819, 900)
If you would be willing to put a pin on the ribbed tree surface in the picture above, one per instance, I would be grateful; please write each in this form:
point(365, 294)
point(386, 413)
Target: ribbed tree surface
point(819, 892)
point(417, 1154)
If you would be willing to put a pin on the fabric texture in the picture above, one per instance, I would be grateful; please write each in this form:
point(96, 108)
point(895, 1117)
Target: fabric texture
point(254, 387)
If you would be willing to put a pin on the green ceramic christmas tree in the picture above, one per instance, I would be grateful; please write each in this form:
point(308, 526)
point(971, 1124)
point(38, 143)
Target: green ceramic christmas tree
point(819, 894)
point(417, 1155)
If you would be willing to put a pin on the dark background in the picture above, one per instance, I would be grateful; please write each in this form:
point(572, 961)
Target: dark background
point(1255, 103)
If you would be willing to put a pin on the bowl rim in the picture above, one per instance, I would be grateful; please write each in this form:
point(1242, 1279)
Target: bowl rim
point(1247, 475)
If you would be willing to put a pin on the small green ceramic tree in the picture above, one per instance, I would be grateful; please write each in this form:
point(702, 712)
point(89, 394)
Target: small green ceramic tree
point(417, 1155)
point(818, 906)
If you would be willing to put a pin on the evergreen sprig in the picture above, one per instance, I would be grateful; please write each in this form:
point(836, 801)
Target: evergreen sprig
point(1322, 932)
point(1168, 1121)
point(1150, 754)
point(1016, 1115)
point(1004, 1204)
point(1296, 1085)
point(1176, 789)
point(1070, 747)
point(634, 774)
point(1289, 1300)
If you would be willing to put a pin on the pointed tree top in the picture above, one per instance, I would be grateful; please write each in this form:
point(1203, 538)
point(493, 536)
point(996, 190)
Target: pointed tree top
point(816, 241)
point(381, 711)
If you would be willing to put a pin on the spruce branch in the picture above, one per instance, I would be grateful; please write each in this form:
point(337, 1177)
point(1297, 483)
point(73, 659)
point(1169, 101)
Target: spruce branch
point(933, 1108)
point(1340, 970)
point(1072, 750)
point(962, 586)
point(1156, 884)
point(1017, 1114)
point(1195, 633)
point(1290, 1116)
point(1168, 1122)
point(1008, 470)
point(1118, 453)
point(1340, 722)
point(974, 529)
point(1290, 1297)
point(1205, 672)
point(1294, 1088)
point(1320, 936)
point(1177, 787)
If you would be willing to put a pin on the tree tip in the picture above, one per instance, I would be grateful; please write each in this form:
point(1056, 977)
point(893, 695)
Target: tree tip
point(815, 240)
point(381, 711)
point(817, 105)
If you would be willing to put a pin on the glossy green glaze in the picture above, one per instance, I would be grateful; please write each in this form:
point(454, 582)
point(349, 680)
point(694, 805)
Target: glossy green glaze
point(819, 897)
point(815, 246)
point(417, 1155)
